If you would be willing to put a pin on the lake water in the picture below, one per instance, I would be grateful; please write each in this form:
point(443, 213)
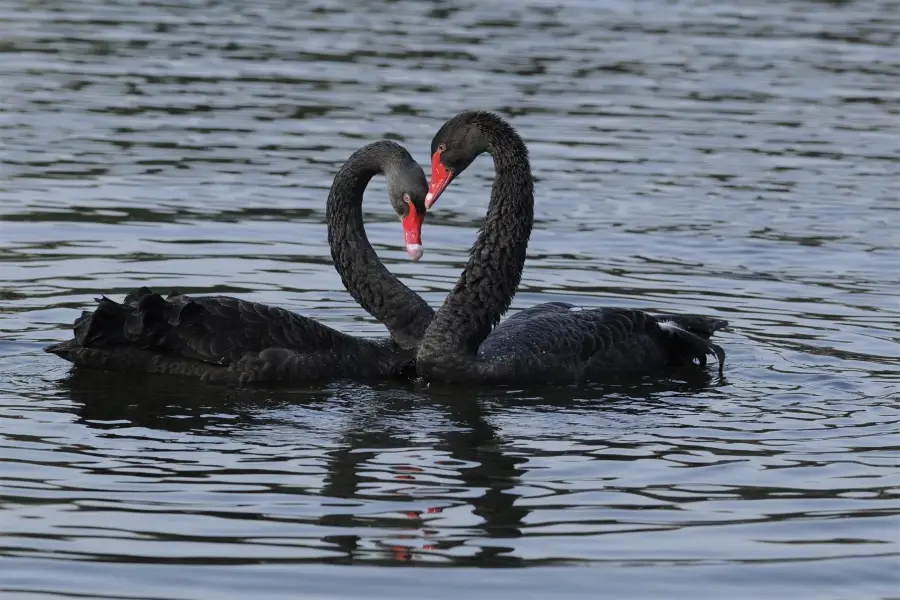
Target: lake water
point(738, 159)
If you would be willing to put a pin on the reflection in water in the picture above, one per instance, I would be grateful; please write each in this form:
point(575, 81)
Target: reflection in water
point(738, 157)
point(471, 464)
point(159, 403)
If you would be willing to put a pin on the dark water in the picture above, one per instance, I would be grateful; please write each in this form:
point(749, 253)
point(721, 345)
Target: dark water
point(738, 159)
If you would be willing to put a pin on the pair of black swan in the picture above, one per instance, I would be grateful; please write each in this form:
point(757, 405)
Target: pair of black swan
point(226, 339)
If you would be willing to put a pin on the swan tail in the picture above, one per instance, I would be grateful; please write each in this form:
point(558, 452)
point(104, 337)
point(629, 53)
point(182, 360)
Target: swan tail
point(62, 349)
point(142, 321)
point(685, 346)
point(699, 325)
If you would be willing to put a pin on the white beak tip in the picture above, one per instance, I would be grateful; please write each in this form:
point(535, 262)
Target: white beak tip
point(415, 251)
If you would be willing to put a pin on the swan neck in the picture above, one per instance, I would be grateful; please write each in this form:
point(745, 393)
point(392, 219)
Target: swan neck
point(488, 283)
point(405, 314)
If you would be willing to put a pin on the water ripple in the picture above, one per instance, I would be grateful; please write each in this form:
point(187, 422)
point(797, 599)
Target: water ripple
point(734, 159)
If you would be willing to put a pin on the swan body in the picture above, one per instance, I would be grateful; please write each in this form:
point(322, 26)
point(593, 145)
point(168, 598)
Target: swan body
point(221, 339)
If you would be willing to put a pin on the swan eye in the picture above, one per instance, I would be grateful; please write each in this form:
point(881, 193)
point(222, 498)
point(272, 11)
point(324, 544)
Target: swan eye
point(406, 198)
point(442, 147)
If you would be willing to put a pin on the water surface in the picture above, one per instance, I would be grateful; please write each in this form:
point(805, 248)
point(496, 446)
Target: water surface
point(735, 159)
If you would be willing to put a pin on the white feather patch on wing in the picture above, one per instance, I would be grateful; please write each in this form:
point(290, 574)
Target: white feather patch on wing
point(669, 325)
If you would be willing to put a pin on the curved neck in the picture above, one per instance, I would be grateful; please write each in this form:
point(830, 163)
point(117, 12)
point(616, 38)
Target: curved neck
point(487, 285)
point(401, 310)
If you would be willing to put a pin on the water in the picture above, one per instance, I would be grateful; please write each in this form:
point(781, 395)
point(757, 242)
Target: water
point(736, 159)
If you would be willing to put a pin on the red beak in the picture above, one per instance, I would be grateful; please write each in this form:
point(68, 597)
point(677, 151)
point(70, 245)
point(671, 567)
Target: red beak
point(440, 179)
point(412, 233)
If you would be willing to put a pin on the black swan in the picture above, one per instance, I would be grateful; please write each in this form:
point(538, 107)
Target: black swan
point(554, 342)
point(224, 339)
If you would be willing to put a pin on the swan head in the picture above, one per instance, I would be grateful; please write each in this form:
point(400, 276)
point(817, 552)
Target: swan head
point(407, 188)
point(457, 144)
